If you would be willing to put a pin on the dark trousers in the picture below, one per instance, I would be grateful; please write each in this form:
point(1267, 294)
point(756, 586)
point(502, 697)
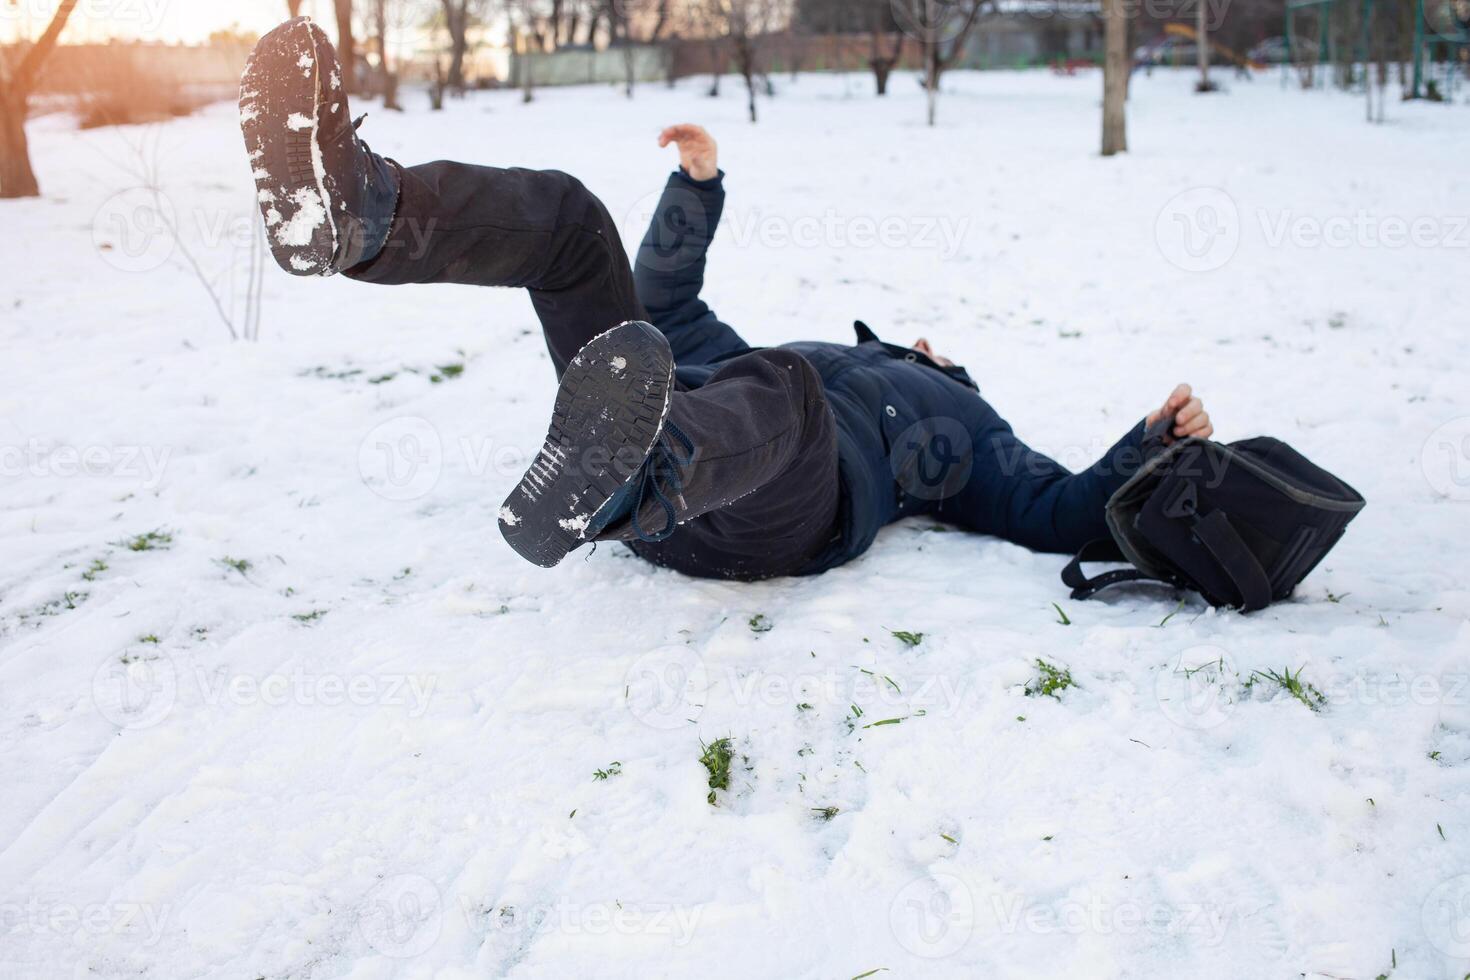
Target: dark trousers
point(761, 496)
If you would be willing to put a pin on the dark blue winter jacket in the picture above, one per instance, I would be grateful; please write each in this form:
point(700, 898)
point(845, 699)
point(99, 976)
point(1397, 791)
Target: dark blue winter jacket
point(878, 392)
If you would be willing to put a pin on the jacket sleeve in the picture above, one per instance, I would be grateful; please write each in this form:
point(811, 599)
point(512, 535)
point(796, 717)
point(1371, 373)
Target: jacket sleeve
point(669, 270)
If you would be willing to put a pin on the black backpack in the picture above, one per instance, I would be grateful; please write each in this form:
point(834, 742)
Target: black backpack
point(1241, 524)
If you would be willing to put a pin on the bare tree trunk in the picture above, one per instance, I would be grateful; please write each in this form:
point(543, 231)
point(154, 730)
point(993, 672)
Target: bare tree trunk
point(17, 178)
point(883, 61)
point(456, 20)
point(931, 79)
point(346, 46)
point(881, 70)
point(1202, 45)
point(745, 61)
point(941, 17)
point(436, 91)
point(390, 77)
point(1115, 77)
point(528, 82)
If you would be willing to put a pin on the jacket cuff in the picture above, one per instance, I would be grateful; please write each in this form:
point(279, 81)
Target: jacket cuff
point(1123, 460)
point(713, 184)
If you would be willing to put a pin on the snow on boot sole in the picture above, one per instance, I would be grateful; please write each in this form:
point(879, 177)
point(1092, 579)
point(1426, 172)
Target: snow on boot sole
point(608, 416)
point(280, 94)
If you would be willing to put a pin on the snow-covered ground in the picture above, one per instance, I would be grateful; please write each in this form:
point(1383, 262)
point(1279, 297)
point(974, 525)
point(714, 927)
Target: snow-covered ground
point(324, 723)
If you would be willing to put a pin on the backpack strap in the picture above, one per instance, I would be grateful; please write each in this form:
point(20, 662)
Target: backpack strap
point(1105, 550)
point(1216, 533)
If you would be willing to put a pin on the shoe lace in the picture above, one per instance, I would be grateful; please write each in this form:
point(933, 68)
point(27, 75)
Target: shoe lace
point(347, 125)
point(663, 468)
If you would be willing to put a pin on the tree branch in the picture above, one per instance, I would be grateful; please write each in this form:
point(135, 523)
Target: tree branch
point(30, 66)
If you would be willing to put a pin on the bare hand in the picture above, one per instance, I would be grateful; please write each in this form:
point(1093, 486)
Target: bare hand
point(1190, 417)
point(698, 152)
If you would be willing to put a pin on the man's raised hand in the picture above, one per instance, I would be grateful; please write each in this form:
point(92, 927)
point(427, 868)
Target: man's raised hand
point(698, 152)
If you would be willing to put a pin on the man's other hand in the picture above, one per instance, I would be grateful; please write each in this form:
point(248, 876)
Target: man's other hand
point(923, 347)
point(698, 153)
point(1190, 417)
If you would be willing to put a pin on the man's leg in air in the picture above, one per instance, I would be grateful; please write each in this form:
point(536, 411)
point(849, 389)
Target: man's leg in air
point(332, 205)
point(618, 452)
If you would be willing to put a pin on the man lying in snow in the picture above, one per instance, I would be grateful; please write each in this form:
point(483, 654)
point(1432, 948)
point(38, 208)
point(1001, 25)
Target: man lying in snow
point(669, 432)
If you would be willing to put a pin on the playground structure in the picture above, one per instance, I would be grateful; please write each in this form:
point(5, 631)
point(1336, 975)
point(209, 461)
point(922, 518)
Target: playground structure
point(1229, 54)
point(1450, 32)
point(1441, 36)
point(1152, 53)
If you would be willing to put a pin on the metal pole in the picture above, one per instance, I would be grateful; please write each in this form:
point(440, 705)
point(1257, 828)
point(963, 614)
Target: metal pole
point(1365, 45)
point(1324, 54)
point(1290, 61)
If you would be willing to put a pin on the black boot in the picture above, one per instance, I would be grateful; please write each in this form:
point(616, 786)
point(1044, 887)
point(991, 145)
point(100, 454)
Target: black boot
point(327, 200)
point(609, 438)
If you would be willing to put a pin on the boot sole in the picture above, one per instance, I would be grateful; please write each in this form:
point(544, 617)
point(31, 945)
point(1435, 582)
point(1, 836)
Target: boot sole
point(279, 118)
point(609, 413)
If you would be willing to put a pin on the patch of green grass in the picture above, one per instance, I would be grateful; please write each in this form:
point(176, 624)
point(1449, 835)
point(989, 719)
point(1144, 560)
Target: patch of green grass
point(69, 600)
point(863, 976)
point(716, 760)
point(155, 540)
point(1062, 618)
point(1165, 621)
point(825, 813)
point(1050, 682)
point(240, 565)
point(760, 624)
point(148, 638)
point(97, 567)
point(445, 372)
point(1292, 684)
point(307, 618)
point(613, 769)
point(803, 707)
point(950, 839)
point(322, 371)
point(906, 638)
